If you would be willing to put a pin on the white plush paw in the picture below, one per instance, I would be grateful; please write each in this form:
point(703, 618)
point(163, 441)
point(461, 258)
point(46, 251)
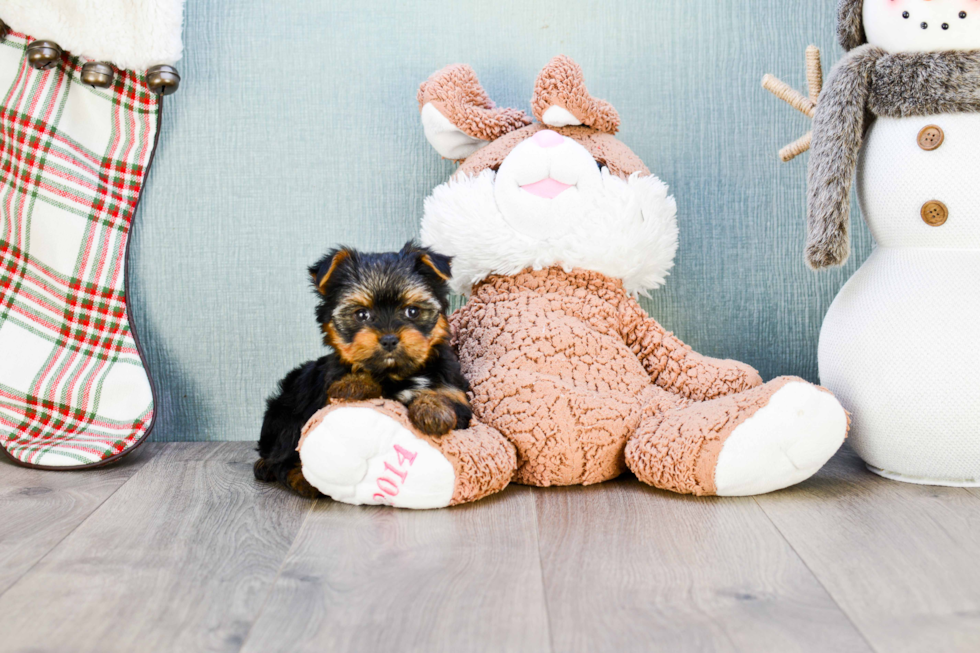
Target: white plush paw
point(783, 443)
point(363, 457)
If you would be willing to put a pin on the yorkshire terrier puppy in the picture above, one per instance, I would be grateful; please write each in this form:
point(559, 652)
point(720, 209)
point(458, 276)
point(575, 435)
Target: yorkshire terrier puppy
point(384, 316)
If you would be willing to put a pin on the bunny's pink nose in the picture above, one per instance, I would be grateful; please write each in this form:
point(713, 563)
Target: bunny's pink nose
point(547, 138)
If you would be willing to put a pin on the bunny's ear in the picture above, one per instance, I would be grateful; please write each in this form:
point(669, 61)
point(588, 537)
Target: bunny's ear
point(561, 99)
point(459, 117)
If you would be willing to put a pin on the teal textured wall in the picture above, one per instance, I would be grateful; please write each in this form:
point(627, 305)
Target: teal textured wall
point(296, 129)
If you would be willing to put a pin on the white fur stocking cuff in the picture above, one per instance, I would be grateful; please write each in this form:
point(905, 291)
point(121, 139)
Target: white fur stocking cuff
point(131, 34)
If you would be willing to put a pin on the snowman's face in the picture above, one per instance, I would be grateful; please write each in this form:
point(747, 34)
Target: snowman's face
point(544, 184)
point(922, 25)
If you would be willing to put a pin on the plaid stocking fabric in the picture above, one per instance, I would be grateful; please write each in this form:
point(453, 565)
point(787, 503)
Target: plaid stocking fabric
point(73, 388)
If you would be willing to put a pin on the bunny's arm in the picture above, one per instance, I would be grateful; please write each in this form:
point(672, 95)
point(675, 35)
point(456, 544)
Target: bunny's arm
point(674, 366)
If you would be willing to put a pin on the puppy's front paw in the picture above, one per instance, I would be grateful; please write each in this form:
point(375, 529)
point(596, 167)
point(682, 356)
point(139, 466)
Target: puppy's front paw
point(298, 483)
point(263, 470)
point(432, 414)
point(354, 387)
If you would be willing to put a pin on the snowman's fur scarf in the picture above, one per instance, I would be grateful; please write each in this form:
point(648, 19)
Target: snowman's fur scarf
point(838, 130)
point(628, 231)
point(865, 84)
point(850, 24)
point(909, 84)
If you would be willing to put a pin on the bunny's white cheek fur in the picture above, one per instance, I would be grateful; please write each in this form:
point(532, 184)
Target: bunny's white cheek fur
point(922, 25)
point(569, 169)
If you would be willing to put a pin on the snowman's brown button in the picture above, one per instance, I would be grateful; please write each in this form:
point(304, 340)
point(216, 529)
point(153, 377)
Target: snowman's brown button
point(931, 137)
point(935, 213)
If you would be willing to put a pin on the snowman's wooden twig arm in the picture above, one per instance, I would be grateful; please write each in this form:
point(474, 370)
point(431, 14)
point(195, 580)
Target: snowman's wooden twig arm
point(814, 72)
point(838, 131)
point(796, 148)
point(805, 105)
point(789, 95)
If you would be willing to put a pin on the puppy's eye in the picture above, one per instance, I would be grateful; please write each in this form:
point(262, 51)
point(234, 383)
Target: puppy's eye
point(362, 315)
point(412, 312)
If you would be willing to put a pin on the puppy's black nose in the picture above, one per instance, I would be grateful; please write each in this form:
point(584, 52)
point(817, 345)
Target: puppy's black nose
point(389, 342)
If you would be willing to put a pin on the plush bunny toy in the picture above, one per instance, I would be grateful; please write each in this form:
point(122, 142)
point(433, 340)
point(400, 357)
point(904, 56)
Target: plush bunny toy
point(899, 344)
point(554, 227)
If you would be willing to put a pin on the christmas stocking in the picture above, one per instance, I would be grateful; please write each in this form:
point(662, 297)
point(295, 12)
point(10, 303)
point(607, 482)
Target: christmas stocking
point(77, 135)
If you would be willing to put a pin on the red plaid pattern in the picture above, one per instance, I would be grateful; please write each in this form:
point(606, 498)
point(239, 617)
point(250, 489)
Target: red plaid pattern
point(73, 387)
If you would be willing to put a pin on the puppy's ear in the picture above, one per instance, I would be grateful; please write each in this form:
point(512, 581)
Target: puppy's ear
point(437, 264)
point(432, 265)
point(325, 269)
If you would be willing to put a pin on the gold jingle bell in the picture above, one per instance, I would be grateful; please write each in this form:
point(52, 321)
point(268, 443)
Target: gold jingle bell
point(43, 55)
point(98, 74)
point(162, 80)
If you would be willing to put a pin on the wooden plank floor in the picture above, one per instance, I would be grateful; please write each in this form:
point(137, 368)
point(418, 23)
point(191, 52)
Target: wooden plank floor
point(178, 549)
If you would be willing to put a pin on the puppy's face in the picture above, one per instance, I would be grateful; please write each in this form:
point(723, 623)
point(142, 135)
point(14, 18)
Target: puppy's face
point(383, 313)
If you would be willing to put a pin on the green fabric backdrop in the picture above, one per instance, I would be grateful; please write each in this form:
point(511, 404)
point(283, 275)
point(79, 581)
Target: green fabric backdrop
point(296, 129)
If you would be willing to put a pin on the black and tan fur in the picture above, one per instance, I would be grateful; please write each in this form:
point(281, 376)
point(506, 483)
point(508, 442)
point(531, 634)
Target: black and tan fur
point(384, 316)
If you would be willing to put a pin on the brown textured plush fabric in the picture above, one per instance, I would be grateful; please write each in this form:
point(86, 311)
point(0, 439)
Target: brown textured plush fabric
point(606, 148)
point(678, 449)
point(562, 84)
point(484, 461)
point(568, 367)
point(457, 94)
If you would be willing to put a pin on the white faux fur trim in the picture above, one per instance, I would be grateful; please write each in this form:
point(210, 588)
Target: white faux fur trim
point(131, 34)
point(628, 230)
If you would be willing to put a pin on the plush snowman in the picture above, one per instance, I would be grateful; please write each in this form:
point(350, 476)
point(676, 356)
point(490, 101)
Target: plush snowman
point(900, 346)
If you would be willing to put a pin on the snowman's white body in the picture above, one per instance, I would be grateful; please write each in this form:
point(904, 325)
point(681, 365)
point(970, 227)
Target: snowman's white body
point(900, 345)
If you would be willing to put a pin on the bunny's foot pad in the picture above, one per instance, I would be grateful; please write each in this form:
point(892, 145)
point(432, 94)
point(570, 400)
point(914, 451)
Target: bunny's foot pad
point(753, 442)
point(784, 443)
point(368, 453)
